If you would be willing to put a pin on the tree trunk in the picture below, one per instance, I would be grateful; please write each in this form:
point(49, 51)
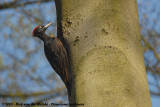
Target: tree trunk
point(105, 50)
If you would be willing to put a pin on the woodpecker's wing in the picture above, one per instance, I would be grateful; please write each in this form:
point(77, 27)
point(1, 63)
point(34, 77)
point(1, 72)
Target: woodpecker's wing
point(57, 56)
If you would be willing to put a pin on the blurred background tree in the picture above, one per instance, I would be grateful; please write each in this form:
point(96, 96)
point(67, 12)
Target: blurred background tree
point(149, 15)
point(25, 74)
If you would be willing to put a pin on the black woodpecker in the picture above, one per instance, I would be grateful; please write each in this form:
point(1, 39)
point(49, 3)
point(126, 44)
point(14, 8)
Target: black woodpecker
point(55, 53)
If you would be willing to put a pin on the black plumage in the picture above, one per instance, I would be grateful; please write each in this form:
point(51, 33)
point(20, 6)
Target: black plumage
point(57, 56)
point(55, 53)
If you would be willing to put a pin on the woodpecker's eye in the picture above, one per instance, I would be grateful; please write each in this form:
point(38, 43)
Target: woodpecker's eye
point(40, 27)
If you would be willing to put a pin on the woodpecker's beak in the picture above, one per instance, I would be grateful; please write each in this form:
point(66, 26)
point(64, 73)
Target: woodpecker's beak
point(46, 26)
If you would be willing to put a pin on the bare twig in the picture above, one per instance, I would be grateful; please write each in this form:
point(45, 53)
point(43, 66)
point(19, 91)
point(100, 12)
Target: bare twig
point(24, 95)
point(15, 4)
point(150, 47)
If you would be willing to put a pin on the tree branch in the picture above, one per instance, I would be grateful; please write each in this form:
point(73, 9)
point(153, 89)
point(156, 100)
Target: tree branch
point(18, 94)
point(155, 93)
point(150, 47)
point(15, 4)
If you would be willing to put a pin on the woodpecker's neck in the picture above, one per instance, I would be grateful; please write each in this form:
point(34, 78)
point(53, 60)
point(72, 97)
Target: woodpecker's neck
point(44, 38)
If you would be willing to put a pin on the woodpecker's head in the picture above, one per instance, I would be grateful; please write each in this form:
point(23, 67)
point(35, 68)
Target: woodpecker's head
point(39, 31)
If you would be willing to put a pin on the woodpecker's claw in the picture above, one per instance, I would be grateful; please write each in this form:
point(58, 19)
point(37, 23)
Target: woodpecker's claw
point(46, 26)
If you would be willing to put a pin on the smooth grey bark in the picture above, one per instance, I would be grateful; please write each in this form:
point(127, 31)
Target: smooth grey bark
point(105, 50)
